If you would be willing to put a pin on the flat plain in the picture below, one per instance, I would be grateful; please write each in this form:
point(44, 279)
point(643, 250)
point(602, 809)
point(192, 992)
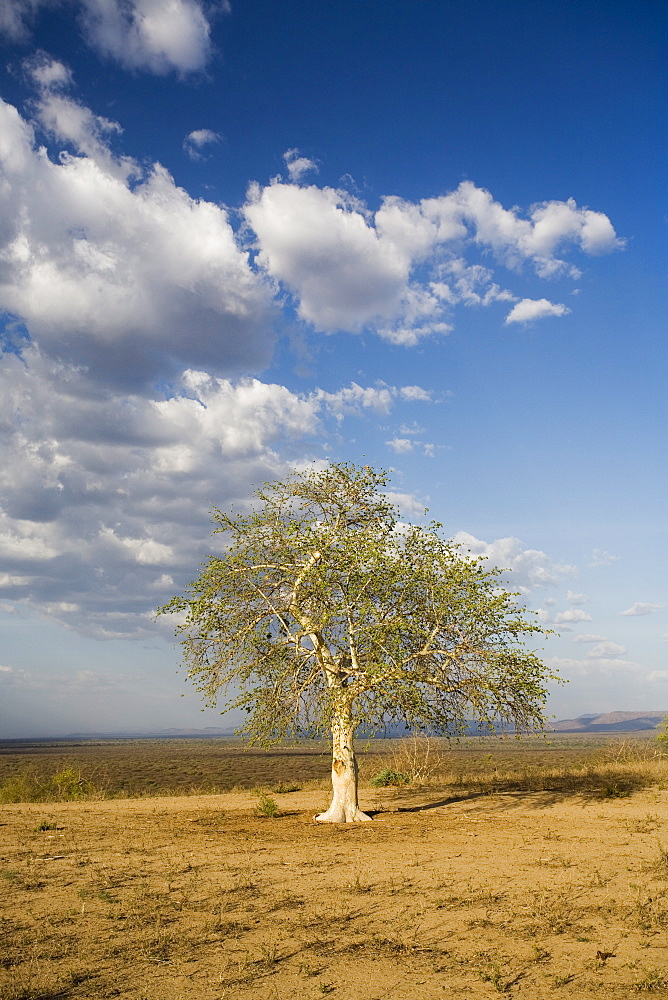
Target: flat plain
point(528, 869)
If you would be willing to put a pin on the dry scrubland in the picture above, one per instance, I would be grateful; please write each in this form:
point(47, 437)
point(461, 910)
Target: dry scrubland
point(527, 869)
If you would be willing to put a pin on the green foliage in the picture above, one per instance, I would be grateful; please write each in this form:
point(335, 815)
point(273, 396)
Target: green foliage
point(267, 807)
point(389, 777)
point(325, 605)
point(66, 785)
point(662, 738)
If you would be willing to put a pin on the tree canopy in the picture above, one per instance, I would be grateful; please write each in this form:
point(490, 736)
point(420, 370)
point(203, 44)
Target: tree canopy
point(327, 612)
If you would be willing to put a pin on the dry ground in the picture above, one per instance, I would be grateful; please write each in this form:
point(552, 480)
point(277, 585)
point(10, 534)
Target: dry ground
point(463, 895)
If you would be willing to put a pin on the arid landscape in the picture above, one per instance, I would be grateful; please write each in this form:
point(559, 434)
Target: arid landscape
point(530, 869)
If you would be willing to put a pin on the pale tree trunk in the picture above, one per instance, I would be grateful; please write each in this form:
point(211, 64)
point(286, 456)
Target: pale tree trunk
point(344, 807)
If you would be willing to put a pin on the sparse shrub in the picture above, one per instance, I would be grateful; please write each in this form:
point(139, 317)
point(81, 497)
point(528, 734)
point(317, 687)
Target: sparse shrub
point(631, 751)
point(66, 785)
point(283, 787)
point(70, 785)
point(614, 790)
point(387, 777)
point(267, 807)
point(45, 825)
point(419, 757)
point(652, 981)
point(24, 787)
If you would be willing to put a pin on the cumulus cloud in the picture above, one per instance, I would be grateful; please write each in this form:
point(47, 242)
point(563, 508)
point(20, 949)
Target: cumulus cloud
point(600, 557)
point(589, 637)
point(354, 399)
point(642, 608)
point(159, 36)
point(607, 650)
point(350, 268)
point(108, 264)
point(105, 495)
point(195, 142)
point(48, 73)
point(603, 666)
point(401, 446)
point(528, 310)
point(155, 35)
point(119, 282)
point(531, 568)
point(570, 616)
point(404, 446)
point(17, 18)
point(298, 165)
point(408, 503)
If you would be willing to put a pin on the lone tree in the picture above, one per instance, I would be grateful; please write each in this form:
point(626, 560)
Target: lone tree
point(328, 612)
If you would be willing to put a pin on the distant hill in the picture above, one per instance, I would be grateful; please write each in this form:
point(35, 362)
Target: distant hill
point(150, 734)
point(610, 722)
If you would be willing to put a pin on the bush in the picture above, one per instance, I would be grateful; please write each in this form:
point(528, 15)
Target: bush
point(267, 807)
point(389, 777)
point(66, 785)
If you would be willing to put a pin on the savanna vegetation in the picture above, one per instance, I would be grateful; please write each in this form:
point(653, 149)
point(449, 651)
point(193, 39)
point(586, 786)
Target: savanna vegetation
point(493, 867)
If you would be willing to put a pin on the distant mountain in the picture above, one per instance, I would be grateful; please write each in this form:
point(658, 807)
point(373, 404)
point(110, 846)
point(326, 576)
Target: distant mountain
point(610, 722)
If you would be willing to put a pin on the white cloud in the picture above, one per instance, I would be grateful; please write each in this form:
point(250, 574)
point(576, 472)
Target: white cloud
point(657, 675)
point(322, 248)
point(600, 557)
point(298, 165)
point(159, 36)
point(470, 284)
point(603, 667)
point(571, 615)
point(196, 142)
point(354, 399)
point(607, 650)
point(416, 393)
point(107, 265)
point(17, 17)
point(6, 670)
point(528, 310)
point(589, 637)
point(349, 268)
point(407, 503)
point(642, 608)
point(404, 446)
point(48, 73)
point(105, 494)
point(574, 598)
point(401, 446)
point(531, 568)
point(155, 35)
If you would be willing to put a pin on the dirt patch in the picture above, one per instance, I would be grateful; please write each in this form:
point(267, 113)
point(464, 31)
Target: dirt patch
point(528, 894)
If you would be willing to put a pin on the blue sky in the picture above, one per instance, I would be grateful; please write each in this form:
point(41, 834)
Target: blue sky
point(239, 237)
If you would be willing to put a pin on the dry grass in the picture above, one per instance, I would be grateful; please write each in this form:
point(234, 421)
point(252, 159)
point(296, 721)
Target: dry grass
point(529, 880)
point(52, 772)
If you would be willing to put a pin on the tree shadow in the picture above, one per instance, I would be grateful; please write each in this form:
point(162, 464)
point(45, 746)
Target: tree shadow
point(590, 788)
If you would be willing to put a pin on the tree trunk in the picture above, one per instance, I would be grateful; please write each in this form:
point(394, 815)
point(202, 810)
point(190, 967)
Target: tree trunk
point(344, 807)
